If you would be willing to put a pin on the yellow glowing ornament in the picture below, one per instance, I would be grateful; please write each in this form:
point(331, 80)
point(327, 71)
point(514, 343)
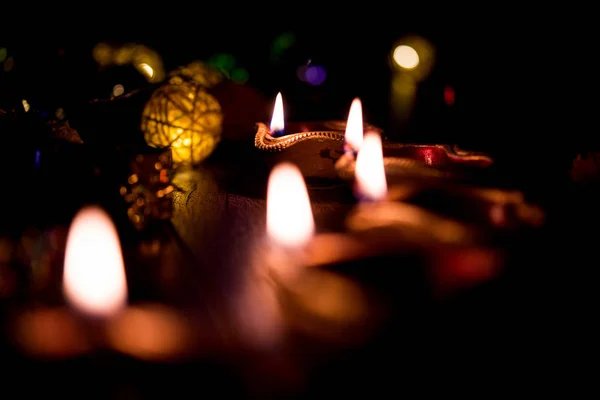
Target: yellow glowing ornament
point(184, 116)
point(199, 73)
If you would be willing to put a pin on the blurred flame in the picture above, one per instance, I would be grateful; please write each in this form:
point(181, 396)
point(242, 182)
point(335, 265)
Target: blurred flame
point(354, 126)
point(50, 332)
point(277, 121)
point(289, 215)
point(406, 57)
point(369, 171)
point(94, 275)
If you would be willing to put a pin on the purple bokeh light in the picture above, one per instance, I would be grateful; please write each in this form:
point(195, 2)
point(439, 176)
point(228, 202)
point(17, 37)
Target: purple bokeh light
point(315, 75)
point(312, 74)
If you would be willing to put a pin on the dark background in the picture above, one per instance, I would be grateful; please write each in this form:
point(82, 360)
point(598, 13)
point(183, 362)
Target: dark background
point(520, 76)
point(523, 83)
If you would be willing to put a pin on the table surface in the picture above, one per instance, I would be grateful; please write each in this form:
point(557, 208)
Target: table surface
point(516, 330)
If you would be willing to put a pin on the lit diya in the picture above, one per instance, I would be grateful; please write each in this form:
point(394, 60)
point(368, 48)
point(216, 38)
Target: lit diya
point(404, 160)
point(96, 315)
point(313, 147)
point(431, 203)
point(460, 229)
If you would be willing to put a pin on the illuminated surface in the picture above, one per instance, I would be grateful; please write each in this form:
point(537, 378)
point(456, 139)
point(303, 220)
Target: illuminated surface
point(51, 332)
point(354, 126)
point(94, 275)
point(150, 332)
point(185, 117)
point(277, 121)
point(370, 172)
point(289, 215)
point(406, 57)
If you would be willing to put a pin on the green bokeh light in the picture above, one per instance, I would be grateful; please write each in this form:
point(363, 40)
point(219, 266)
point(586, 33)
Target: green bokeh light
point(239, 75)
point(282, 43)
point(3, 54)
point(224, 62)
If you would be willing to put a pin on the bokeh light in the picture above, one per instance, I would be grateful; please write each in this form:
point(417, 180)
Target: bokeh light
point(282, 43)
point(413, 56)
point(60, 113)
point(312, 74)
point(146, 70)
point(147, 61)
point(239, 75)
point(103, 54)
point(9, 64)
point(223, 62)
point(449, 95)
point(406, 57)
point(118, 90)
point(315, 75)
point(3, 54)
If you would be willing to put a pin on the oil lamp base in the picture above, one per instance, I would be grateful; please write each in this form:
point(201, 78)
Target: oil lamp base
point(312, 146)
point(406, 160)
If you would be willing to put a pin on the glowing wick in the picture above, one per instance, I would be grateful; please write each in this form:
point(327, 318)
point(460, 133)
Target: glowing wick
point(277, 121)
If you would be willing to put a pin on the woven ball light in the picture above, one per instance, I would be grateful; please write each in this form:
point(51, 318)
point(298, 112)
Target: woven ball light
point(184, 116)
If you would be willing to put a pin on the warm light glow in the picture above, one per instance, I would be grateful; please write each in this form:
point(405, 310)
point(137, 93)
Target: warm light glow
point(147, 69)
point(289, 215)
point(370, 172)
point(94, 276)
point(185, 117)
point(151, 332)
point(118, 90)
point(277, 121)
point(354, 126)
point(406, 57)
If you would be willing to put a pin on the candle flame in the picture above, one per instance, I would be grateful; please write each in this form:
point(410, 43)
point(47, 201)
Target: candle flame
point(369, 171)
point(290, 220)
point(354, 126)
point(94, 275)
point(277, 121)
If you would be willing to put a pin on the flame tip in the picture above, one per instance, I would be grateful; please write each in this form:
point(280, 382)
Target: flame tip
point(354, 126)
point(278, 121)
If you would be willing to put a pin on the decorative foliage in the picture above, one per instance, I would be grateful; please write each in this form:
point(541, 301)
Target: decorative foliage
point(184, 116)
point(148, 190)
